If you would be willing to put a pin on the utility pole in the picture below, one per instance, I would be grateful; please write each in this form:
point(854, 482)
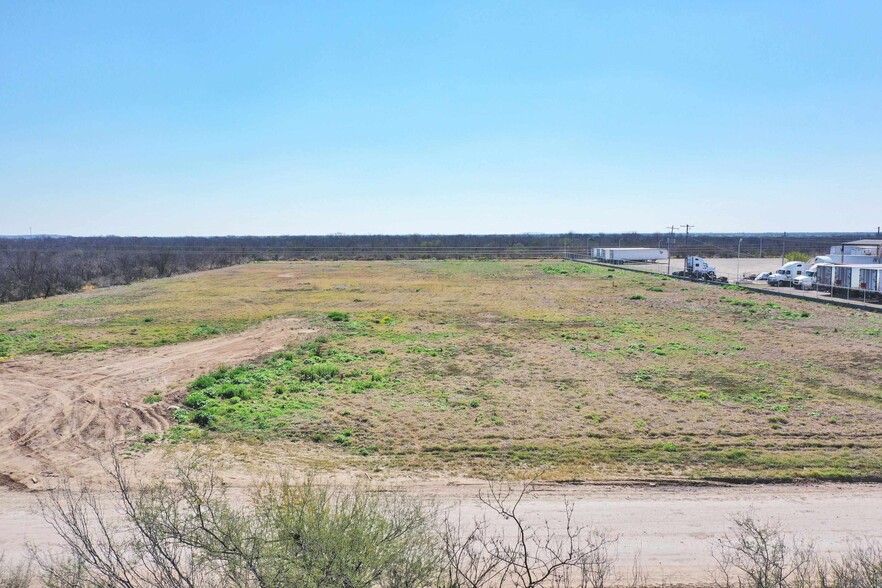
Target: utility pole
point(670, 238)
point(878, 246)
point(783, 245)
point(686, 255)
point(738, 263)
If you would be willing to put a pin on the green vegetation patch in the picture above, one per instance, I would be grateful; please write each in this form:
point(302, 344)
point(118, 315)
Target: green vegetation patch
point(572, 268)
point(273, 397)
point(771, 310)
point(723, 387)
point(17, 343)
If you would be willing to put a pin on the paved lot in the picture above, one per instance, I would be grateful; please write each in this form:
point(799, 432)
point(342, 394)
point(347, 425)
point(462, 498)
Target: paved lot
point(727, 267)
point(731, 267)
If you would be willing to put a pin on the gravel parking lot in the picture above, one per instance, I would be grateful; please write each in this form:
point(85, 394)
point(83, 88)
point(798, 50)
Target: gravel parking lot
point(726, 266)
point(729, 268)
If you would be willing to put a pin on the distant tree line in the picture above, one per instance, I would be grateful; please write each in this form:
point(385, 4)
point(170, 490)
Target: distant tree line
point(42, 267)
point(32, 267)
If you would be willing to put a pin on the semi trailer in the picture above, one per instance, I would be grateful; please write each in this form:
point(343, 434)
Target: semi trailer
point(628, 254)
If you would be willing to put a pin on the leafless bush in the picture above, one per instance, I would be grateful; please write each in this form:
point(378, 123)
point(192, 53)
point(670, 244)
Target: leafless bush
point(528, 556)
point(16, 576)
point(756, 554)
point(860, 567)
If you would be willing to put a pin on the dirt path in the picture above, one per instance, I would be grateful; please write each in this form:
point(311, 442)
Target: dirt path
point(87, 400)
point(671, 529)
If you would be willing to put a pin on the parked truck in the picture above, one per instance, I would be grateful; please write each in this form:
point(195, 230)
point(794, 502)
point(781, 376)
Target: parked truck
point(699, 269)
point(808, 280)
point(788, 272)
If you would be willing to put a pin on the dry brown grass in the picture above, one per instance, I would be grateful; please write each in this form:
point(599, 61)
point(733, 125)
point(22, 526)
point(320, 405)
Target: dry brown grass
point(501, 366)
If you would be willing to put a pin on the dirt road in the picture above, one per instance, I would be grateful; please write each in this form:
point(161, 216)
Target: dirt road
point(670, 528)
point(86, 401)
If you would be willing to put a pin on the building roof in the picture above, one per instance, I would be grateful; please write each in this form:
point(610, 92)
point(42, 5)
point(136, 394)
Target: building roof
point(628, 248)
point(870, 242)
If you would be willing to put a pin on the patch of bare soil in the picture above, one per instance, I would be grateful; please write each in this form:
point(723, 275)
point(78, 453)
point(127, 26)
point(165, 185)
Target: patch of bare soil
point(58, 413)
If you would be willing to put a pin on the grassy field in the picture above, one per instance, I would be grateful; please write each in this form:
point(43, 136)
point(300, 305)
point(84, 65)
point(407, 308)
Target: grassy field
point(485, 367)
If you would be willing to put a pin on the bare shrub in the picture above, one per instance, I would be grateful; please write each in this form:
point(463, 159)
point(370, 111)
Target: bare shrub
point(859, 567)
point(192, 534)
point(756, 554)
point(529, 556)
point(16, 575)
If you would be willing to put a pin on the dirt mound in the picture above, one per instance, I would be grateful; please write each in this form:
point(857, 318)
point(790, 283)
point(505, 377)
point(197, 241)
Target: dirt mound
point(58, 413)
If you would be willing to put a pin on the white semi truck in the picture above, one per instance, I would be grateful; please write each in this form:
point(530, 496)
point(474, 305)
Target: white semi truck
point(699, 269)
point(808, 280)
point(788, 272)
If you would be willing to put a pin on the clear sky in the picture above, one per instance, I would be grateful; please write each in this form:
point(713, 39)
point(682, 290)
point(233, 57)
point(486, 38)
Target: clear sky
point(213, 118)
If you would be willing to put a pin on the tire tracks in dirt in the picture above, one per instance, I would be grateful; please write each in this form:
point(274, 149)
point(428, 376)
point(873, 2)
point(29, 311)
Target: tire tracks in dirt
point(57, 413)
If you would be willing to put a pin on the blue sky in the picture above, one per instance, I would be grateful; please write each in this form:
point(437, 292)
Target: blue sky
point(205, 118)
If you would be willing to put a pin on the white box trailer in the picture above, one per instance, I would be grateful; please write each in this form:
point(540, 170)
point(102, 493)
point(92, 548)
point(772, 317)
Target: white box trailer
point(833, 275)
point(628, 254)
point(824, 275)
point(871, 280)
point(843, 276)
point(857, 276)
point(851, 280)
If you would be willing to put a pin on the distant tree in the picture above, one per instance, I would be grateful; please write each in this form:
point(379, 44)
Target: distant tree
point(797, 256)
point(162, 262)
